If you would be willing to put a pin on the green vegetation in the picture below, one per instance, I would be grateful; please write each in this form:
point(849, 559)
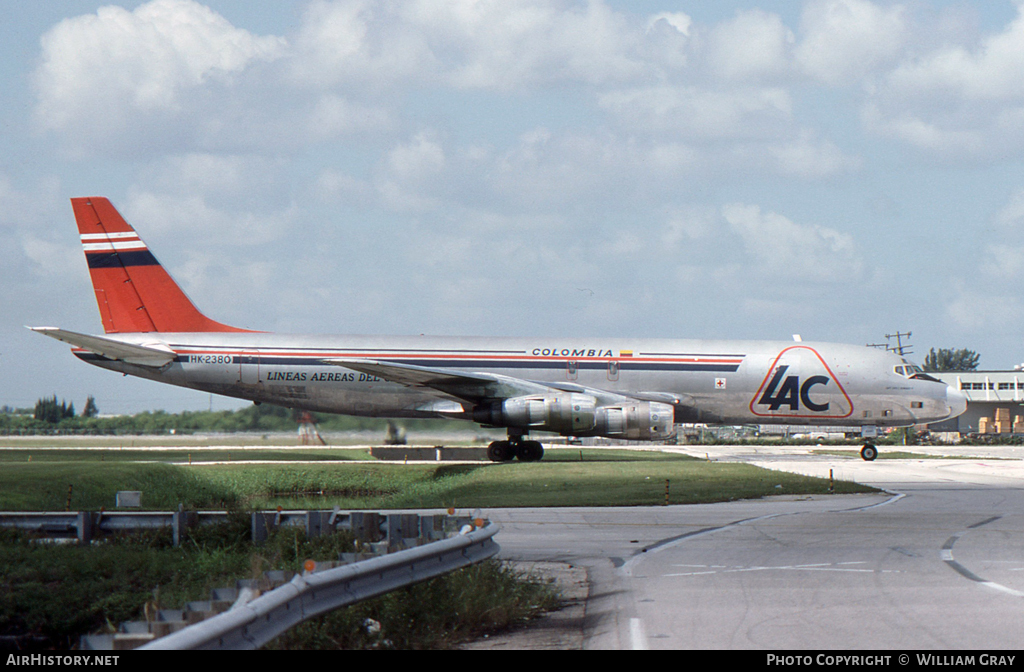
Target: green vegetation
point(949, 359)
point(183, 455)
point(50, 418)
point(485, 598)
point(48, 411)
point(50, 595)
point(603, 478)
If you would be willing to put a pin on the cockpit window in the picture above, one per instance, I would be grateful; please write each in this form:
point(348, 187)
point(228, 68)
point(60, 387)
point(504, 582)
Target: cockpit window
point(914, 372)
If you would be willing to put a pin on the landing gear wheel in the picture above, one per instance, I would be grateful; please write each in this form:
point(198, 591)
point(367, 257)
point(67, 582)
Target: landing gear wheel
point(529, 451)
point(501, 451)
point(869, 452)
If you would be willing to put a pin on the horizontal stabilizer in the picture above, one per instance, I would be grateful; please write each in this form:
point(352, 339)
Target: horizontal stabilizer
point(151, 354)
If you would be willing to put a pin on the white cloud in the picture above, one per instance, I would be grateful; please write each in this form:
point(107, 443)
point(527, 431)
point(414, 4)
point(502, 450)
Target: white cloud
point(844, 40)
point(172, 215)
point(788, 249)
point(53, 259)
point(98, 70)
point(979, 311)
point(956, 100)
point(989, 72)
point(691, 111)
point(333, 115)
point(809, 157)
point(688, 225)
point(1011, 216)
point(464, 43)
point(753, 44)
point(678, 20)
point(417, 160)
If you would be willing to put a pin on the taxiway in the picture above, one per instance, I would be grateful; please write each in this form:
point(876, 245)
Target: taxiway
point(936, 561)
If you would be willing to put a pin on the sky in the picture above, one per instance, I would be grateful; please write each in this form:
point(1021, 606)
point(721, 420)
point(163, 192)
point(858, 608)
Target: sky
point(838, 169)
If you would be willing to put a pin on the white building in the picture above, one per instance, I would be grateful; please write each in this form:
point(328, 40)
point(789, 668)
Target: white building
point(987, 392)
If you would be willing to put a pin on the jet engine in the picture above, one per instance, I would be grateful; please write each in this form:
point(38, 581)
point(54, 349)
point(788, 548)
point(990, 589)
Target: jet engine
point(570, 414)
point(579, 415)
point(636, 420)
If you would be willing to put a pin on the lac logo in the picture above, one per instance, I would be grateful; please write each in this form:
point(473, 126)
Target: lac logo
point(799, 384)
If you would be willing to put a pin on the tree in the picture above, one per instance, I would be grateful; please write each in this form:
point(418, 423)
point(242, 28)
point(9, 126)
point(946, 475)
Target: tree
point(90, 410)
point(948, 359)
point(47, 410)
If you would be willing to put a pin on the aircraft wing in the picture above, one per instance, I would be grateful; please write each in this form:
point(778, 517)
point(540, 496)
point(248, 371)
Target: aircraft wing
point(478, 386)
point(469, 386)
point(154, 354)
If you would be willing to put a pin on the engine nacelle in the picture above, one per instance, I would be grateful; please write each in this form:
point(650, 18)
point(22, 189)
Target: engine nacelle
point(579, 415)
point(569, 414)
point(639, 420)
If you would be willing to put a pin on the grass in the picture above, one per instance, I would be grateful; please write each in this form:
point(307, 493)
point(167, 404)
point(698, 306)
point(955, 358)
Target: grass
point(485, 598)
point(287, 440)
point(181, 455)
point(603, 478)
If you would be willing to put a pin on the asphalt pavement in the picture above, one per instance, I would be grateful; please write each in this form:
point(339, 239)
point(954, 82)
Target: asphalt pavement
point(934, 561)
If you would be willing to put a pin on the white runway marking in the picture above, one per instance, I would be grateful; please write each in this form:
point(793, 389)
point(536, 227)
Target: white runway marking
point(638, 641)
point(816, 567)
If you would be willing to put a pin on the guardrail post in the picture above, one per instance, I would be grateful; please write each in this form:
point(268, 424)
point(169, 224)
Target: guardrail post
point(84, 525)
point(393, 529)
point(317, 523)
point(431, 527)
point(365, 525)
point(261, 524)
point(180, 522)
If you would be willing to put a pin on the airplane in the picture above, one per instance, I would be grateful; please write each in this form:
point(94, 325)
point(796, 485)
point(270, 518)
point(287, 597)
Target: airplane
point(620, 388)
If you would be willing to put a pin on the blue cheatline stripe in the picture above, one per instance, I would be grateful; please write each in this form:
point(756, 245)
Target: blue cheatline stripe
point(473, 364)
point(115, 259)
point(497, 364)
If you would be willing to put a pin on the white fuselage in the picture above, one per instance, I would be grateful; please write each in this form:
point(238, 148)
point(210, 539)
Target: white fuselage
point(726, 382)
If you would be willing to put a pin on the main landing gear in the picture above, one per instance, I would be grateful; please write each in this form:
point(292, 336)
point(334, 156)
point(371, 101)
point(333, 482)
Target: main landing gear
point(516, 446)
point(869, 452)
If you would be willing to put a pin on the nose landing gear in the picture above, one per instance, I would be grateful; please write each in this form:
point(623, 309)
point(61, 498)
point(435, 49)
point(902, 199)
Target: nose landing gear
point(869, 452)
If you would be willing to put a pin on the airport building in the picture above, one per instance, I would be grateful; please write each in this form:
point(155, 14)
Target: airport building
point(995, 402)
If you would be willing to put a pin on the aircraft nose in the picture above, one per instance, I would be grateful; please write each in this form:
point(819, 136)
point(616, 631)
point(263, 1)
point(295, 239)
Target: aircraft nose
point(956, 400)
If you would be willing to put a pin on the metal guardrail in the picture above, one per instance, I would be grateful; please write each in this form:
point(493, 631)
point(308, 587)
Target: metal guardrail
point(368, 526)
point(255, 611)
point(250, 625)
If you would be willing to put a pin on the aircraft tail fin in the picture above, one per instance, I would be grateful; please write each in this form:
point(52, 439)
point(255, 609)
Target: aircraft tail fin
point(133, 291)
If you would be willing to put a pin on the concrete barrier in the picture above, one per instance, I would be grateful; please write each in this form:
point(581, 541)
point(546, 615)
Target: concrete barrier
point(429, 453)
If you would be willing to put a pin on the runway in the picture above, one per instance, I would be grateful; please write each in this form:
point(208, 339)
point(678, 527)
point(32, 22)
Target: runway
point(936, 562)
